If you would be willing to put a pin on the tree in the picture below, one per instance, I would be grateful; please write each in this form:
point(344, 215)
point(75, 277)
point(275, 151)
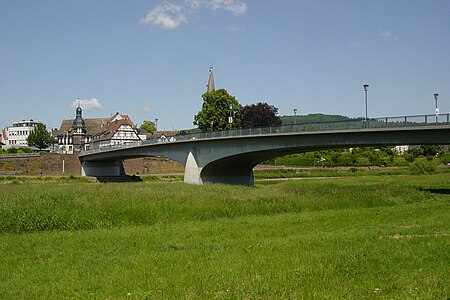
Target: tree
point(216, 111)
point(431, 150)
point(40, 138)
point(148, 126)
point(260, 115)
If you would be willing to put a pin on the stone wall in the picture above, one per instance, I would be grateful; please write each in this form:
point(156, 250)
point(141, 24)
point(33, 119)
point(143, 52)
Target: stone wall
point(52, 165)
point(152, 165)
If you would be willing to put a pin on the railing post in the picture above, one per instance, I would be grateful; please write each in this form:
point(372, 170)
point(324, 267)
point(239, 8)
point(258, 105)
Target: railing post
point(426, 120)
point(406, 121)
point(386, 122)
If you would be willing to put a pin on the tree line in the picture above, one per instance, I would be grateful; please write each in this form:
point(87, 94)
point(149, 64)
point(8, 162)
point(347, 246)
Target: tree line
point(365, 156)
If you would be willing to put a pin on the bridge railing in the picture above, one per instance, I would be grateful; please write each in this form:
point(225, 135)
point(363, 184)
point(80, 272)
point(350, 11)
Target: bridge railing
point(353, 124)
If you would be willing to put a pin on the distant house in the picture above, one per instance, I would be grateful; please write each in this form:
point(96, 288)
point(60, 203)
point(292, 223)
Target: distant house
point(401, 149)
point(164, 136)
point(164, 139)
point(81, 134)
point(17, 134)
point(74, 135)
point(119, 131)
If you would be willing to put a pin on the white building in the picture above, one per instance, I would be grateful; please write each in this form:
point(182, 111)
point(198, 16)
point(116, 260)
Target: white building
point(401, 149)
point(17, 134)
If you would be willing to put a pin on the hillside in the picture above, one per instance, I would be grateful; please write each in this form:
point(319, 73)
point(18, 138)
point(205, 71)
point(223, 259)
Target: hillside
point(313, 118)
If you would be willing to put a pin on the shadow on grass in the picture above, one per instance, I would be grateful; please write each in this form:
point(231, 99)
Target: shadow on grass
point(437, 191)
point(105, 179)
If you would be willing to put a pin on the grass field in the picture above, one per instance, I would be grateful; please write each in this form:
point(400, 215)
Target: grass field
point(376, 237)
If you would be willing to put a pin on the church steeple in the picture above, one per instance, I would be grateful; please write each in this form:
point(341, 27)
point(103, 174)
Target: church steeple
point(78, 124)
point(210, 86)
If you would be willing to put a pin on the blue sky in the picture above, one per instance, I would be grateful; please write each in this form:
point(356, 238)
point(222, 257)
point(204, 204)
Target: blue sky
point(150, 59)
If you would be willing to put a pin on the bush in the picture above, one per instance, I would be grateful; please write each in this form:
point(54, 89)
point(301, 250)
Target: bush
point(424, 166)
point(445, 158)
point(399, 161)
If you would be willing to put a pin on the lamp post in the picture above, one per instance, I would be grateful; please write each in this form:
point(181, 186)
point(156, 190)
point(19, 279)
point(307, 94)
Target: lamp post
point(156, 125)
point(366, 87)
point(295, 116)
point(436, 111)
point(230, 118)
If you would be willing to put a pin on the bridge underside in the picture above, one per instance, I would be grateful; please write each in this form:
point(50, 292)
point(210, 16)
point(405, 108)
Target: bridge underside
point(228, 172)
point(102, 168)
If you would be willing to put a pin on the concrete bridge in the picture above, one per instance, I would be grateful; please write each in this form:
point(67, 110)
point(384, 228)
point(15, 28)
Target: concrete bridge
point(230, 156)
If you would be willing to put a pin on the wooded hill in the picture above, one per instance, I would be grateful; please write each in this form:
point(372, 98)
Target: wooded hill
point(313, 118)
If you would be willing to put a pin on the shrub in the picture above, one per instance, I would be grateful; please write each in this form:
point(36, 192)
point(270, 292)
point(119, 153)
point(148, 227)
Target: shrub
point(424, 166)
point(399, 161)
point(445, 158)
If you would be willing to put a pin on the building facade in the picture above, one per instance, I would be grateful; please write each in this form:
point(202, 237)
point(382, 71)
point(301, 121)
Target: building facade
point(15, 136)
point(81, 134)
point(118, 131)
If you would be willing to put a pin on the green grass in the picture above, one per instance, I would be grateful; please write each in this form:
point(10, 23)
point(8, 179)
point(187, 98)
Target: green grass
point(381, 237)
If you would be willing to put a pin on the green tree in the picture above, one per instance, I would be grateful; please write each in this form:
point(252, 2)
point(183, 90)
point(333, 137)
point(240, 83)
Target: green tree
point(431, 150)
point(216, 111)
point(148, 126)
point(40, 138)
point(260, 115)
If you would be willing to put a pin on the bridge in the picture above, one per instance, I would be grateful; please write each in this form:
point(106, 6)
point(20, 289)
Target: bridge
point(230, 156)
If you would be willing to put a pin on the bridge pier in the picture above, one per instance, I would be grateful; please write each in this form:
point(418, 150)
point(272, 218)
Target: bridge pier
point(102, 168)
point(191, 169)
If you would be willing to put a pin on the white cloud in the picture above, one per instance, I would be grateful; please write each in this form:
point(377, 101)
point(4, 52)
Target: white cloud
point(170, 15)
point(387, 35)
point(236, 7)
point(166, 15)
point(87, 104)
point(147, 109)
point(193, 3)
point(234, 28)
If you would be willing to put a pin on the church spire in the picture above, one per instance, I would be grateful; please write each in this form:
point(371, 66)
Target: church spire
point(210, 86)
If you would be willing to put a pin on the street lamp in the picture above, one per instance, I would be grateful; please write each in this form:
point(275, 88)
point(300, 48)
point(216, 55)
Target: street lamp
point(230, 118)
point(436, 109)
point(156, 125)
point(366, 87)
point(295, 116)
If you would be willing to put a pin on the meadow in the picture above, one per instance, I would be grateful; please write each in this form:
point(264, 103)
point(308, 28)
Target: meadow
point(353, 237)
